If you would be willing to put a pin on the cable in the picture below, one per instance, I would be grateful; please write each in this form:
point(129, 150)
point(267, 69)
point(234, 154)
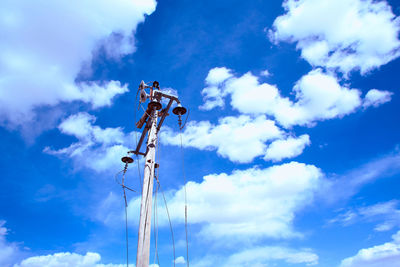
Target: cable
point(184, 186)
point(122, 184)
point(187, 116)
point(126, 232)
point(136, 139)
point(155, 223)
point(155, 219)
point(156, 176)
point(169, 218)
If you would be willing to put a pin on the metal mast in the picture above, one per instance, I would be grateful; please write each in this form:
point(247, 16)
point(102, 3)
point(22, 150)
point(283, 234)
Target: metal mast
point(149, 119)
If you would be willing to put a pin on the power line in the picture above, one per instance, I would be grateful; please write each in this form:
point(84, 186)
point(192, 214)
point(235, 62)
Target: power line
point(126, 160)
point(184, 186)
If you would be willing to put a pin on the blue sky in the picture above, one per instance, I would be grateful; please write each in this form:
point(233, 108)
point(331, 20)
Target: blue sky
point(291, 148)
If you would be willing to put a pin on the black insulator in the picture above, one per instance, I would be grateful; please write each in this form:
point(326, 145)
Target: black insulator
point(179, 110)
point(155, 104)
point(127, 159)
point(156, 85)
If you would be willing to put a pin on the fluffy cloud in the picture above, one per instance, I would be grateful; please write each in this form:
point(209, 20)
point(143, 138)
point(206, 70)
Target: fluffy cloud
point(386, 255)
point(43, 50)
point(180, 260)
point(340, 34)
point(287, 148)
point(260, 256)
point(213, 94)
point(375, 98)
point(240, 139)
point(97, 148)
point(8, 251)
point(101, 95)
point(319, 96)
point(63, 259)
point(254, 202)
point(387, 213)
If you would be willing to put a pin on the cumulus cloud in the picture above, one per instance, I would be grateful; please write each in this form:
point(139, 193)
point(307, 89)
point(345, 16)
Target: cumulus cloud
point(43, 50)
point(260, 256)
point(375, 98)
point(213, 93)
point(101, 95)
point(63, 259)
point(386, 213)
point(340, 34)
point(386, 255)
point(287, 148)
point(180, 260)
point(8, 251)
point(240, 139)
point(97, 148)
point(318, 96)
point(247, 204)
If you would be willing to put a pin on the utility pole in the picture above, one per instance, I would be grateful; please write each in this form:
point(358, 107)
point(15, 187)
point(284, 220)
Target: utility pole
point(143, 249)
point(149, 119)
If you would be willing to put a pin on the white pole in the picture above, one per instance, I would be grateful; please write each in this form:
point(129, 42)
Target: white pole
point(143, 249)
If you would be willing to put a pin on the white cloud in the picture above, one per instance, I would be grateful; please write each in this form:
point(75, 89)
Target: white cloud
point(180, 260)
point(319, 96)
point(46, 45)
point(265, 73)
point(97, 148)
point(340, 34)
point(250, 97)
point(240, 139)
point(287, 148)
point(386, 213)
point(63, 259)
point(8, 251)
point(213, 94)
point(261, 256)
point(100, 96)
point(247, 204)
point(375, 98)
point(218, 75)
point(386, 255)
